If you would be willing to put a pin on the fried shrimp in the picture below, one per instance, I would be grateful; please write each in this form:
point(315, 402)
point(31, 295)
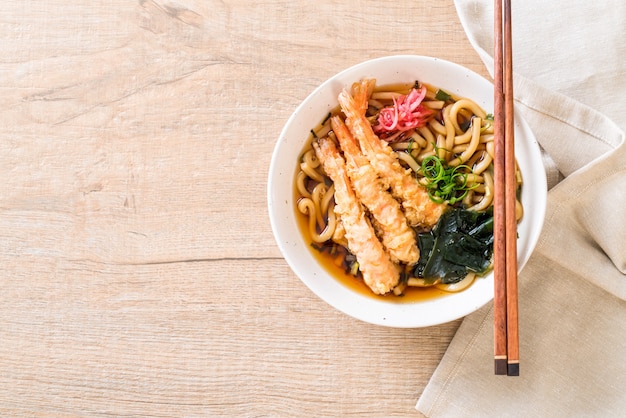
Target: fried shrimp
point(418, 208)
point(388, 219)
point(379, 272)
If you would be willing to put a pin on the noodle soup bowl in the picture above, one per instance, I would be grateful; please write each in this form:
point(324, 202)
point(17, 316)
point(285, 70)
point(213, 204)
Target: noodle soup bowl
point(297, 250)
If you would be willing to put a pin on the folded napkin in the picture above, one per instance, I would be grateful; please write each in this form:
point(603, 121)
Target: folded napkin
point(570, 85)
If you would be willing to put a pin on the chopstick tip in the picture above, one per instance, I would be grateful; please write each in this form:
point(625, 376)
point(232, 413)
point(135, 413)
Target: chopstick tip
point(500, 366)
point(512, 369)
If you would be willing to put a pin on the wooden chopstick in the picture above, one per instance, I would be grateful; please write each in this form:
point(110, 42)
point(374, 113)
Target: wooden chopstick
point(506, 338)
point(499, 210)
point(510, 193)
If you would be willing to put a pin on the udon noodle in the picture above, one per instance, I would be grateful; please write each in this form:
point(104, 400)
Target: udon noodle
point(457, 136)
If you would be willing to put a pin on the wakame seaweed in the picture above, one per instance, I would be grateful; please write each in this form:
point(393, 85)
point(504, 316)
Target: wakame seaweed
point(461, 242)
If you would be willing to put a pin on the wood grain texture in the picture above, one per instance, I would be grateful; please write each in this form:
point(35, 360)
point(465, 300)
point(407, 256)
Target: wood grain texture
point(139, 273)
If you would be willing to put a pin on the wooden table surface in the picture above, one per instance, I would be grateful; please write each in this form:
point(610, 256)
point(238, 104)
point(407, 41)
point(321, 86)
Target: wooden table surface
point(139, 275)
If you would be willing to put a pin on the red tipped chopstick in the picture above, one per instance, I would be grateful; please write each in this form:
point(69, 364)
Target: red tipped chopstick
point(506, 338)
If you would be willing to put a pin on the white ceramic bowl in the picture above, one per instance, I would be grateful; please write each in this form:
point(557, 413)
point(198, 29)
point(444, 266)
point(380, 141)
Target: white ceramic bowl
point(298, 254)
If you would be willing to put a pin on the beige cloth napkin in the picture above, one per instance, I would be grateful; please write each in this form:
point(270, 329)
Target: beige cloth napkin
point(570, 85)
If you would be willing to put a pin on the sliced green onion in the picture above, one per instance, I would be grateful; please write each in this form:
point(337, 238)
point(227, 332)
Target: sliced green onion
point(409, 148)
point(442, 95)
point(445, 183)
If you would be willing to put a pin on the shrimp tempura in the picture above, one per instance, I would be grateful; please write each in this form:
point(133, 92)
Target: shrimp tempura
point(379, 272)
point(396, 235)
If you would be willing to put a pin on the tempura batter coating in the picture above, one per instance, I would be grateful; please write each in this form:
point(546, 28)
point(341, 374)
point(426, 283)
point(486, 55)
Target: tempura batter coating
point(418, 208)
point(389, 220)
point(379, 272)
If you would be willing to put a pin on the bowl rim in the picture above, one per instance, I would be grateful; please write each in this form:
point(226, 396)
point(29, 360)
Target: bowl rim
point(368, 309)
